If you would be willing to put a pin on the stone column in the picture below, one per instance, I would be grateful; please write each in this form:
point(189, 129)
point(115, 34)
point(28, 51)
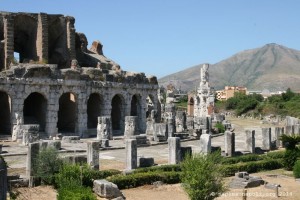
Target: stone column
point(205, 143)
point(42, 38)
point(250, 141)
point(180, 121)
point(104, 130)
point(8, 22)
point(3, 179)
point(277, 137)
point(142, 115)
point(71, 36)
point(190, 123)
point(174, 150)
point(131, 154)
point(229, 143)
point(266, 139)
point(32, 154)
point(130, 126)
point(93, 155)
point(81, 114)
point(171, 127)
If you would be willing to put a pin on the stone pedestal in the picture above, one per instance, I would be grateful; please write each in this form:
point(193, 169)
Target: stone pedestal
point(250, 141)
point(174, 150)
point(93, 155)
point(229, 143)
point(160, 132)
point(32, 154)
point(180, 121)
point(104, 128)
point(131, 154)
point(171, 127)
point(30, 133)
point(266, 139)
point(205, 143)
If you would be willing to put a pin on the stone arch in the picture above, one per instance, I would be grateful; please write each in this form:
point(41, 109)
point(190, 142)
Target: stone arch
point(35, 110)
point(190, 109)
point(5, 113)
point(118, 114)
point(94, 106)
point(67, 113)
point(25, 36)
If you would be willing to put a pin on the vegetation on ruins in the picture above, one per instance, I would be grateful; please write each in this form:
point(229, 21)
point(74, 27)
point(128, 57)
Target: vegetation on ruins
point(292, 152)
point(202, 177)
point(296, 169)
point(220, 127)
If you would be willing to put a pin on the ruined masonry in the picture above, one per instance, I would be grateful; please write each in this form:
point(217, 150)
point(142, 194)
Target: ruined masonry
point(49, 77)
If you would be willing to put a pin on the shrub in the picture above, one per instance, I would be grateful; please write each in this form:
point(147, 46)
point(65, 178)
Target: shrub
point(47, 164)
point(74, 191)
point(82, 174)
point(145, 178)
point(220, 127)
point(296, 169)
point(290, 158)
point(162, 168)
point(201, 176)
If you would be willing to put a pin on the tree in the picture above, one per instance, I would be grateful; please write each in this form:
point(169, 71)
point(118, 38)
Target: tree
point(292, 151)
point(202, 177)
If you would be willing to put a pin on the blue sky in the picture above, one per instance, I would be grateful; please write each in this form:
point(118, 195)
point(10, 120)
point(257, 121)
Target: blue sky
point(160, 37)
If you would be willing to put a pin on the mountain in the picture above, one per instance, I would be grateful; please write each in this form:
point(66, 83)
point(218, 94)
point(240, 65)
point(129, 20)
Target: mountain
point(272, 67)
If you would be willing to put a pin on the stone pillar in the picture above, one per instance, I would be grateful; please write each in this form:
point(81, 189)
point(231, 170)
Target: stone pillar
point(174, 150)
point(130, 126)
point(142, 115)
point(8, 22)
point(71, 36)
point(93, 155)
point(30, 133)
point(81, 124)
point(180, 121)
point(33, 151)
point(205, 143)
point(229, 143)
point(131, 154)
point(42, 38)
point(171, 127)
point(3, 179)
point(104, 128)
point(278, 133)
point(160, 132)
point(250, 141)
point(296, 130)
point(190, 123)
point(266, 139)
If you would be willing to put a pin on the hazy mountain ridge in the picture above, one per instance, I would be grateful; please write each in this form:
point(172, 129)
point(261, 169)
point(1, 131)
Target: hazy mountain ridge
point(272, 67)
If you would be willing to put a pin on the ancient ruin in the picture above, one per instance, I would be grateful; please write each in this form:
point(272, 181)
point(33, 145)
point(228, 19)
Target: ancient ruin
point(59, 84)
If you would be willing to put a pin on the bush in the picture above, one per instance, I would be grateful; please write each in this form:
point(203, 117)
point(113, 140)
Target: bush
point(47, 164)
point(201, 176)
point(296, 169)
point(220, 127)
point(74, 191)
point(290, 158)
point(145, 178)
point(84, 175)
point(162, 168)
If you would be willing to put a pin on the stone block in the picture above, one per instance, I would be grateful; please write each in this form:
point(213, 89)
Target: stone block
point(174, 150)
point(180, 121)
point(131, 126)
point(277, 135)
point(146, 162)
point(56, 144)
point(131, 154)
point(106, 189)
point(289, 130)
point(171, 127)
point(160, 131)
point(229, 143)
point(70, 139)
point(32, 153)
point(250, 141)
point(93, 155)
point(266, 139)
point(104, 128)
point(205, 143)
point(190, 122)
point(104, 143)
point(140, 139)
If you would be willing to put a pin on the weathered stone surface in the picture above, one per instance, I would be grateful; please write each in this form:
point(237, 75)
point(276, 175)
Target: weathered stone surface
point(171, 127)
point(174, 150)
point(30, 133)
point(131, 128)
point(190, 123)
point(131, 154)
point(244, 180)
point(141, 140)
point(104, 128)
point(3, 179)
point(104, 143)
point(250, 140)
point(106, 189)
point(55, 144)
point(160, 131)
point(76, 159)
point(289, 130)
point(229, 143)
point(278, 133)
point(205, 143)
point(70, 139)
point(180, 121)
point(146, 162)
point(266, 139)
point(33, 151)
point(93, 155)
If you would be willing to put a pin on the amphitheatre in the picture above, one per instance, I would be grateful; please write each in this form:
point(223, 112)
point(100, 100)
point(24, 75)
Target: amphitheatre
point(65, 95)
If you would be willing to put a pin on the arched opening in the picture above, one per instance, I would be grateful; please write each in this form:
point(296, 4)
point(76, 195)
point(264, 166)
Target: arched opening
point(25, 29)
point(93, 110)
point(117, 114)
point(135, 109)
point(67, 113)
point(5, 113)
point(35, 109)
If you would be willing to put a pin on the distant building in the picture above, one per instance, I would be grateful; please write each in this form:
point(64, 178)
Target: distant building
point(228, 92)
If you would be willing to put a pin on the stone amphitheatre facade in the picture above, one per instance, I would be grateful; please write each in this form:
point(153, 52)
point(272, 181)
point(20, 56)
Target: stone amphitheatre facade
point(60, 84)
